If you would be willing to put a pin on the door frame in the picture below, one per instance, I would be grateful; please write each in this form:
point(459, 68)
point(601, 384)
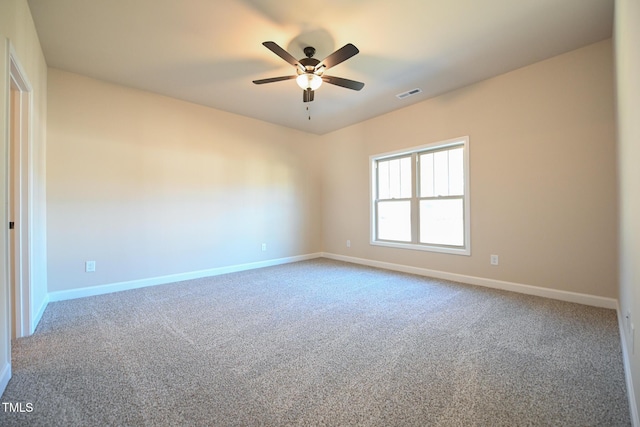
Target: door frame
point(20, 186)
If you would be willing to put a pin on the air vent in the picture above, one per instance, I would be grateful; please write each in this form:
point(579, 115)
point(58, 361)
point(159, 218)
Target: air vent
point(404, 95)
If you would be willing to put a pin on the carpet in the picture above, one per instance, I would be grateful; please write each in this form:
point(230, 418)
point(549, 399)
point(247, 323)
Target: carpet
point(319, 342)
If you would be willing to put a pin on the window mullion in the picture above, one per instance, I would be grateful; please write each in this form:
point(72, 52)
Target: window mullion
point(415, 210)
point(377, 182)
point(448, 174)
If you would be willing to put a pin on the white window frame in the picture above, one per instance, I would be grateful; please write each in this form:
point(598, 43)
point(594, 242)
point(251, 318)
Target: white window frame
point(465, 249)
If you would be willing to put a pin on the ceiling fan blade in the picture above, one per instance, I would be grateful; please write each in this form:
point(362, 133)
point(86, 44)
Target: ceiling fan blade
point(307, 95)
point(339, 81)
point(273, 79)
point(275, 48)
point(340, 55)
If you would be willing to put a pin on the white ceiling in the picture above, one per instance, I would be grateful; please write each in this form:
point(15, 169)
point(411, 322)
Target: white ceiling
point(209, 51)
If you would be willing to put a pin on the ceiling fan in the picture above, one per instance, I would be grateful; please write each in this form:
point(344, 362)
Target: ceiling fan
point(310, 71)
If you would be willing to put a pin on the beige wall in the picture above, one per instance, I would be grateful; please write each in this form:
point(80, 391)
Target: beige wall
point(17, 30)
point(543, 175)
point(149, 186)
point(627, 37)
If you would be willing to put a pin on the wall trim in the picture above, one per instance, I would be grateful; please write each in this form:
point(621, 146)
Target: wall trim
point(575, 297)
point(579, 298)
point(631, 395)
point(36, 319)
point(5, 376)
point(21, 171)
point(162, 280)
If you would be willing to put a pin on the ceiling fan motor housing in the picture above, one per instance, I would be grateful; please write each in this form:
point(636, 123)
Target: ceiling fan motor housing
point(309, 51)
point(309, 63)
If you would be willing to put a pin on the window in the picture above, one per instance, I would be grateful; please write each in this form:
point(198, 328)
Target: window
point(420, 198)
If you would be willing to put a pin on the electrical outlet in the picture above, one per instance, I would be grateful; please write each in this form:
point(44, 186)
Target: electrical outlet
point(494, 259)
point(348, 243)
point(90, 266)
point(264, 247)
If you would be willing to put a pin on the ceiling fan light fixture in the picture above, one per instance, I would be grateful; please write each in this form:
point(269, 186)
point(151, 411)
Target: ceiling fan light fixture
point(309, 81)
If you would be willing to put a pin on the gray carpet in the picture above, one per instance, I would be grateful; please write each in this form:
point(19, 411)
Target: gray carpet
point(319, 343)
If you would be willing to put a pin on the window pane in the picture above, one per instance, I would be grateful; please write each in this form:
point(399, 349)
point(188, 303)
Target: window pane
point(383, 180)
point(394, 178)
point(394, 221)
point(441, 173)
point(442, 222)
point(405, 173)
point(426, 175)
point(456, 172)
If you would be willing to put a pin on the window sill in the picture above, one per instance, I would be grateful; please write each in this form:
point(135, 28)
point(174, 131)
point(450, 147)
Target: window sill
point(425, 248)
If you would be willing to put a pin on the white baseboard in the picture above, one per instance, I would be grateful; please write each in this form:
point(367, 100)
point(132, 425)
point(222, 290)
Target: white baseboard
point(5, 376)
point(579, 298)
point(162, 280)
point(36, 319)
point(635, 420)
